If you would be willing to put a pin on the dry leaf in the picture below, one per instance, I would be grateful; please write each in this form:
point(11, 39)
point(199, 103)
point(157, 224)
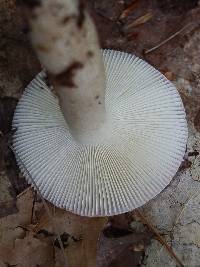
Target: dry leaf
point(29, 251)
point(84, 233)
point(9, 225)
point(7, 201)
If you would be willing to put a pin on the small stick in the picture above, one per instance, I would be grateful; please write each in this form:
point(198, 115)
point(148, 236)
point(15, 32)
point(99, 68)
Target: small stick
point(159, 238)
point(165, 41)
point(23, 192)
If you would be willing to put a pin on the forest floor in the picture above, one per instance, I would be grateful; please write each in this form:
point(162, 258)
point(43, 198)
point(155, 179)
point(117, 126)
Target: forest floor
point(166, 33)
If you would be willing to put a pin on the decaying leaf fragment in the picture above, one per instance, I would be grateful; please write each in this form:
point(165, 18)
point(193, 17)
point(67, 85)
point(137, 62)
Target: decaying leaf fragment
point(19, 246)
point(9, 225)
point(29, 251)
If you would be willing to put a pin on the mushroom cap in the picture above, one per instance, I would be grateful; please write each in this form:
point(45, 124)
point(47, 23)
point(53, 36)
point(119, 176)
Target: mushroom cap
point(140, 153)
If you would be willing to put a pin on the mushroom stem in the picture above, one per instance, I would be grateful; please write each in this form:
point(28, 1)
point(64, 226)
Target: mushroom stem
point(66, 43)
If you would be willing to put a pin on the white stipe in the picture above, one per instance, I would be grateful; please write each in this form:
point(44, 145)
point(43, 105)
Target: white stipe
point(136, 158)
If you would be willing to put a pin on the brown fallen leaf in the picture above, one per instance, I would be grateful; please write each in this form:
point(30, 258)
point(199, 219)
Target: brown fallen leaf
point(9, 230)
point(84, 233)
point(141, 20)
point(29, 251)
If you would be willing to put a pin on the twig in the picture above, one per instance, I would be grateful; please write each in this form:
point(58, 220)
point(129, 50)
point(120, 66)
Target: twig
point(23, 192)
point(165, 41)
point(159, 238)
point(139, 21)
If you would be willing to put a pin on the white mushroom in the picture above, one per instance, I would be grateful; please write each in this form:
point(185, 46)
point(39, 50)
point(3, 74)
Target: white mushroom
point(104, 146)
point(122, 167)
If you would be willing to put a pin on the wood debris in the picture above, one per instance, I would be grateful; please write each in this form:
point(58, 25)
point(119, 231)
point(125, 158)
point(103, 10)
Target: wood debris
point(18, 244)
point(139, 21)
